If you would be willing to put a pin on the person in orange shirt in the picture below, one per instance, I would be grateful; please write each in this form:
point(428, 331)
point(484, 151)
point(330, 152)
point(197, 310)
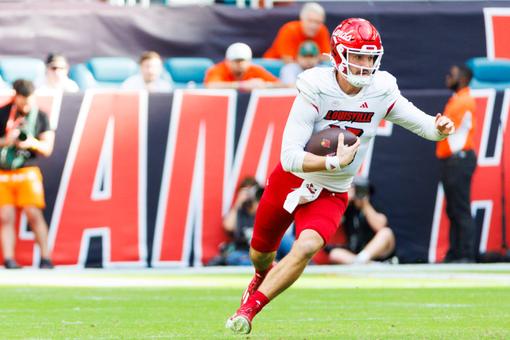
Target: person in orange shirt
point(292, 34)
point(457, 164)
point(237, 71)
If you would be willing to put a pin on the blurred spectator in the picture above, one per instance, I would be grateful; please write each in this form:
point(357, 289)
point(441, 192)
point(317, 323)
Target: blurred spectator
point(368, 235)
point(151, 76)
point(56, 77)
point(24, 134)
point(308, 57)
point(238, 222)
point(292, 34)
point(238, 72)
point(457, 164)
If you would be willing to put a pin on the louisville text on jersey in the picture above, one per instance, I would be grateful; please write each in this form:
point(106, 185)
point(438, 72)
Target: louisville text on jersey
point(349, 116)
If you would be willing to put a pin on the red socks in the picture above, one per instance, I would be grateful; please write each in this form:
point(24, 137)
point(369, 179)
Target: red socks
point(260, 299)
point(254, 304)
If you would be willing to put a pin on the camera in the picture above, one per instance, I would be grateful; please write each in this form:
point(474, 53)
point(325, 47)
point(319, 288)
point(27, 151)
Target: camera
point(361, 187)
point(22, 136)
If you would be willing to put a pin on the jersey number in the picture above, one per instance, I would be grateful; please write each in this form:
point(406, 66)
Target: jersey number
point(355, 131)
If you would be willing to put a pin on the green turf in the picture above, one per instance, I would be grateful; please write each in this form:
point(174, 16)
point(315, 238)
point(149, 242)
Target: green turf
point(197, 313)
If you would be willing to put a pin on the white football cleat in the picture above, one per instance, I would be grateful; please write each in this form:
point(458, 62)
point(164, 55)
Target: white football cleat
point(239, 324)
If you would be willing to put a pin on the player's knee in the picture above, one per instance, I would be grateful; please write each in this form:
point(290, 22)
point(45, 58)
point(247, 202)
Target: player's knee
point(261, 259)
point(307, 246)
point(389, 236)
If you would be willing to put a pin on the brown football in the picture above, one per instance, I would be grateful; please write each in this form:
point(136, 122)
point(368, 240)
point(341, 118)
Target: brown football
point(325, 142)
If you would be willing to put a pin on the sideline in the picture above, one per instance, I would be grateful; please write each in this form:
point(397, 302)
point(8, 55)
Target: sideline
point(366, 276)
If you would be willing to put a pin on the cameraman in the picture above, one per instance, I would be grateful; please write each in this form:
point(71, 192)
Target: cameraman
point(368, 235)
point(238, 222)
point(24, 134)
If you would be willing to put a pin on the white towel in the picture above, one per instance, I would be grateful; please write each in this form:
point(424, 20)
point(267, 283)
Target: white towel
point(306, 193)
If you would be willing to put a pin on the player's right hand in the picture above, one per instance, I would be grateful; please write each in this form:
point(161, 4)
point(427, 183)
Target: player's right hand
point(346, 153)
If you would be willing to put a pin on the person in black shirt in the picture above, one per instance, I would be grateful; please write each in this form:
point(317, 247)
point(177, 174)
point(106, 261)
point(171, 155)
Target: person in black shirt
point(238, 222)
point(24, 134)
point(368, 235)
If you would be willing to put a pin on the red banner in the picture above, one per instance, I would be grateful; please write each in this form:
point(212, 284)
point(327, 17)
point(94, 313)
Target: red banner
point(102, 190)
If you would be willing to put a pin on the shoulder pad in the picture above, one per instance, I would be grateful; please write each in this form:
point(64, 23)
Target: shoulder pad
point(308, 84)
point(385, 82)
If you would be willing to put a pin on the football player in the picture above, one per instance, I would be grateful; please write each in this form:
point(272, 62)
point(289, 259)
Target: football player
point(351, 95)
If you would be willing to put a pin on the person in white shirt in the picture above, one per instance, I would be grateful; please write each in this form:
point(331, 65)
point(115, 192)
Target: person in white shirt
point(311, 190)
point(307, 58)
point(56, 77)
point(151, 76)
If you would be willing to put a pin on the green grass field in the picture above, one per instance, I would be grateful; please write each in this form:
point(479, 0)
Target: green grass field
point(321, 306)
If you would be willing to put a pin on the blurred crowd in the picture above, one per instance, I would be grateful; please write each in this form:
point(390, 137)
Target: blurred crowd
point(298, 46)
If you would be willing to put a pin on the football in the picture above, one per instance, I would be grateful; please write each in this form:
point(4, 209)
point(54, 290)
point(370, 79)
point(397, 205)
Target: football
point(325, 142)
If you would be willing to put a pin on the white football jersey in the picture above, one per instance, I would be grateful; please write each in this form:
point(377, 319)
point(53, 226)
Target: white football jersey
point(321, 104)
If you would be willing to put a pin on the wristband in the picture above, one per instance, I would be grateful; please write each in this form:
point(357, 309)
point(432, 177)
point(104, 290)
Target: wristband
point(332, 163)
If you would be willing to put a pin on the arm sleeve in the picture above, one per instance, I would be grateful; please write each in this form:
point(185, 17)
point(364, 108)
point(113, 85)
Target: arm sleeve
point(297, 132)
point(405, 114)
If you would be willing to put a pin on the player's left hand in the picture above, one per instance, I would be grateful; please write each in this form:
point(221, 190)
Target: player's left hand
point(444, 125)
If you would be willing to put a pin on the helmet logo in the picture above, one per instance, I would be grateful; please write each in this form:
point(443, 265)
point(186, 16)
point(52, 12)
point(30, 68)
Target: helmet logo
point(347, 36)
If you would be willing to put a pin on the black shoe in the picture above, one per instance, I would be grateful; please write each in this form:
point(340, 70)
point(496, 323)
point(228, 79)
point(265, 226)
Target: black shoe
point(46, 264)
point(11, 264)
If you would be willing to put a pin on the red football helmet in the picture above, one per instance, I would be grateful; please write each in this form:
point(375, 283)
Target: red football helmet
point(360, 37)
